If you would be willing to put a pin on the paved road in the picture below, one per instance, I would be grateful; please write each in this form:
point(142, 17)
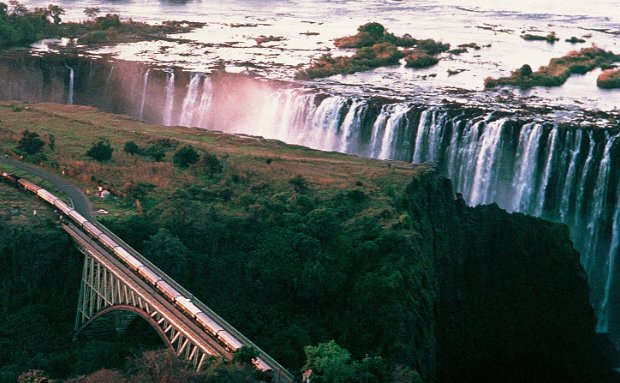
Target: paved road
point(81, 203)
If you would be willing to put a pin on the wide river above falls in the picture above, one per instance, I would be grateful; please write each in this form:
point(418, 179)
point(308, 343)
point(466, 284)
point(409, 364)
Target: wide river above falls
point(307, 29)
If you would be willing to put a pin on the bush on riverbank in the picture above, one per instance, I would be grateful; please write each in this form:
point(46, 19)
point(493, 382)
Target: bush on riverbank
point(558, 70)
point(375, 47)
point(609, 79)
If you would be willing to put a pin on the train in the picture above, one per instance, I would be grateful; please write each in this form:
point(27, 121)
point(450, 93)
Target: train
point(228, 340)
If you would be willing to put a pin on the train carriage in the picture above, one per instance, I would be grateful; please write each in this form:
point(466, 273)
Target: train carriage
point(107, 241)
point(62, 206)
point(91, 229)
point(232, 343)
point(149, 275)
point(129, 259)
point(187, 306)
point(47, 196)
point(208, 324)
point(28, 185)
point(9, 178)
point(77, 217)
point(261, 364)
point(169, 291)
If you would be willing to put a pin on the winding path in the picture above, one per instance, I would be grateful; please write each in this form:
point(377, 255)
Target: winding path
point(80, 201)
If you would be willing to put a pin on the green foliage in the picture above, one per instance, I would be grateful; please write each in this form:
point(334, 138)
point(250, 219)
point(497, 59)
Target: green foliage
point(330, 362)
point(185, 156)
point(93, 37)
point(420, 59)
point(210, 164)
point(375, 48)
point(609, 79)
point(168, 253)
point(558, 70)
point(575, 40)
point(374, 29)
point(52, 141)
point(30, 143)
point(300, 184)
point(138, 190)
point(92, 12)
point(245, 355)
point(131, 148)
point(432, 47)
point(550, 38)
point(108, 21)
point(101, 150)
point(18, 25)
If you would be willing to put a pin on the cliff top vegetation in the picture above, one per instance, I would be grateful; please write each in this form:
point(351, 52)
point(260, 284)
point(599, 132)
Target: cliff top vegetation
point(558, 70)
point(375, 47)
point(19, 26)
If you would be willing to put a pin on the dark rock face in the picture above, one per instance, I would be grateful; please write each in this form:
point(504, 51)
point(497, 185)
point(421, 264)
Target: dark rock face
point(512, 301)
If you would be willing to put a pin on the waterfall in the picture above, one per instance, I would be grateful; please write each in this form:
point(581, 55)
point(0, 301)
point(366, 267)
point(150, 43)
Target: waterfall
point(527, 152)
point(485, 168)
point(603, 319)
point(205, 101)
point(351, 124)
point(71, 85)
point(568, 188)
point(145, 82)
point(190, 100)
point(169, 98)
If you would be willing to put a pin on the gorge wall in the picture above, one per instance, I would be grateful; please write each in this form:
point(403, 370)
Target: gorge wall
point(563, 173)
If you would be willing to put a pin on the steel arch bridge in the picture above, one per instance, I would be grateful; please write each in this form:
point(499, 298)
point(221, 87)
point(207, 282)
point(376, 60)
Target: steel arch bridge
point(107, 285)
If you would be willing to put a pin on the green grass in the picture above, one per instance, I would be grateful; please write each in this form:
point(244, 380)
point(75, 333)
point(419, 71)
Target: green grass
point(77, 127)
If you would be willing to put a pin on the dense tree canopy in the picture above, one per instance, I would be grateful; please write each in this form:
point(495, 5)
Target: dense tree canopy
point(30, 143)
point(101, 150)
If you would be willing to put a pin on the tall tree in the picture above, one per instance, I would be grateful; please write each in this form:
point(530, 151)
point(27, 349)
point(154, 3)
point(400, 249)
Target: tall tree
point(30, 142)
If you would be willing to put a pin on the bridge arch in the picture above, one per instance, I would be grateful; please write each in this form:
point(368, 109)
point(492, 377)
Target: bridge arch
point(129, 309)
point(105, 289)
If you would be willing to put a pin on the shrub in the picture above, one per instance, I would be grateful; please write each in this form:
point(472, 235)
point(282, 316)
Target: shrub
point(575, 40)
point(609, 79)
point(185, 156)
point(131, 148)
point(550, 38)
point(30, 143)
point(558, 70)
point(211, 164)
point(420, 59)
point(376, 30)
point(101, 150)
point(432, 47)
point(105, 22)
